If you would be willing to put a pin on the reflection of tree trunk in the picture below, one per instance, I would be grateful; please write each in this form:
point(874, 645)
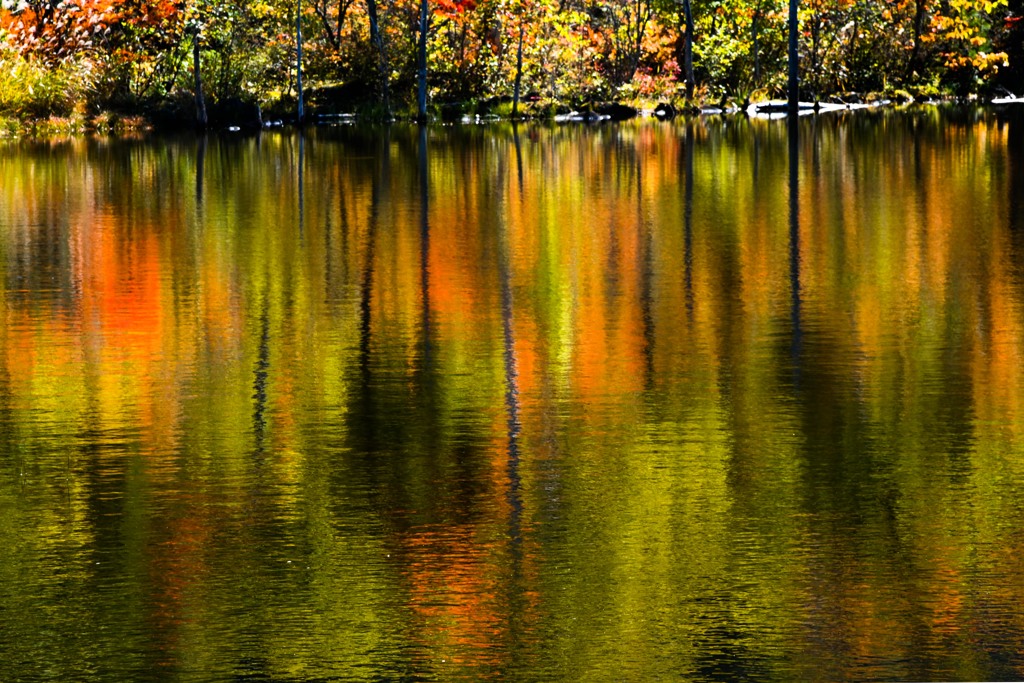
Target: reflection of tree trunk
point(421, 58)
point(646, 278)
point(511, 402)
point(1015, 174)
point(517, 602)
point(512, 406)
point(366, 291)
point(329, 252)
point(756, 167)
point(519, 70)
point(345, 231)
point(201, 120)
point(688, 223)
point(337, 267)
point(688, 50)
point(382, 64)
point(794, 240)
point(519, 157)
point(424, 170)
point(260, 374)
point(302, 184)
point(200, 168)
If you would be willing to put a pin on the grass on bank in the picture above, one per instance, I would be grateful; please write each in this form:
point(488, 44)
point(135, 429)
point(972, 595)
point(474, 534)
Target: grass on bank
point(31, 88)
point(39, 99)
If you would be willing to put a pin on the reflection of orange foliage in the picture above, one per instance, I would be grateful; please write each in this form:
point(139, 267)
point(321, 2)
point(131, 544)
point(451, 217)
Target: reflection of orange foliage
point(123, 304)
point(462, 288)
point(453, 590)
point(998, 363)
point(609, 339)
point(122, 292)
point(177, 567)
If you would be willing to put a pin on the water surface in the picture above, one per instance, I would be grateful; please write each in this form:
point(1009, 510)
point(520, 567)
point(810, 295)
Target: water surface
point(627, 402)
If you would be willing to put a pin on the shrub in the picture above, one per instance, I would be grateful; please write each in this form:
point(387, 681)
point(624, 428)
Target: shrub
point(33, 89)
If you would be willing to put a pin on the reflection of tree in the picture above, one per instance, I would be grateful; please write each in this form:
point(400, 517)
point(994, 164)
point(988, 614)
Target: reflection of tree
point(794, 243)
point(201, 142)
point(1015, 173)
point(424, 189)
point(515, 593)
point(302, 184)
point(688, 143)
point(363, 426)
point(260, 373)
point(511, 374)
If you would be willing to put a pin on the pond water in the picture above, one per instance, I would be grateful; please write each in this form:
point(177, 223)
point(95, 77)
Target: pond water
point(648, 401)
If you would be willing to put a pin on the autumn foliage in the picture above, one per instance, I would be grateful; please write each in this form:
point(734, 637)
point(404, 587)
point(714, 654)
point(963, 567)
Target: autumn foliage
point(133, 53)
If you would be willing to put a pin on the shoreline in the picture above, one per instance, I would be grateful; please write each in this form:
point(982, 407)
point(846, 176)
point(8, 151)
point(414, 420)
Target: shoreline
point(111, 124)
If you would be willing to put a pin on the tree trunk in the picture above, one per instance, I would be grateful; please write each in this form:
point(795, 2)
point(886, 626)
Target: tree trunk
point(794, 59)
point(915, 52)
point(382, 64)
point(421, 93)
point(757, 50)
point(814, 76)
point(298, 62)
point(201, 120)
point(519, 71)
point(688, 50)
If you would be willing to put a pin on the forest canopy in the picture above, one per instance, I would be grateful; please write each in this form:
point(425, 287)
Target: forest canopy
point(58, 58)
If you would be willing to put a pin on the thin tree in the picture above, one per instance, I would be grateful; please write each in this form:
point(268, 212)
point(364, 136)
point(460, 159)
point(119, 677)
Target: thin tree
point(920, 13)
point(382, 64)
point(794, 59)
point(755, 28)
point(421, 59)
point(519, 68)
point(201, 119)
point(688, 49)
point(298, 61)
